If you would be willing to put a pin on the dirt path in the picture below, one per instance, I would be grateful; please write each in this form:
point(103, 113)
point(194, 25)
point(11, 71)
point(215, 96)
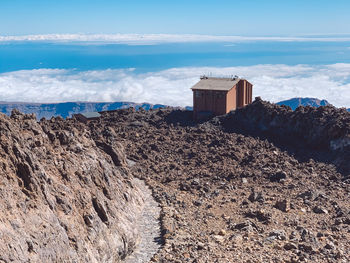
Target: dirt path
point(149, 227)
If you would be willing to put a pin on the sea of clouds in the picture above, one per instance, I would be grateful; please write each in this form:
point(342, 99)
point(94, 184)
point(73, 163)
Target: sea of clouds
point(172, 86)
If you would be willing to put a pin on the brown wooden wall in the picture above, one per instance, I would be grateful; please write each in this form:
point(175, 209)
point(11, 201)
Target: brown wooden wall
point(244, 93)
point(208, 100)
point(231, 99)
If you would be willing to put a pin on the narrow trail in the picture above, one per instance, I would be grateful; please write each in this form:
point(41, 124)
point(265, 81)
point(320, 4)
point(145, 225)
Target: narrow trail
point(148, 227)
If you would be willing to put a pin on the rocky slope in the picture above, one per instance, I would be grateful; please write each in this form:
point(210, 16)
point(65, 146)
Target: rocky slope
point(64, 197)
point(230, 195)
point(321, 133)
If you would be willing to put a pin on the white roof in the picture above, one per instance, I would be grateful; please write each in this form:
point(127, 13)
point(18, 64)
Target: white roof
point(224, 84)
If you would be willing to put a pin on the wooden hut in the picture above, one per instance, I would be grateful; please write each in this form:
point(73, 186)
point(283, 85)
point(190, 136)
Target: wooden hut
point(218, 96)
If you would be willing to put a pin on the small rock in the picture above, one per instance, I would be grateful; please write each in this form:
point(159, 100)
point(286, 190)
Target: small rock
point(136, 124)
point(197, 203)
point(261, 215)
point(347, 221)
point(290, 246)
point(236, 239)
point(195, 181)
point(218, 239)
point(200, 246)
point(88, 220)
point(277, 177)
point(256, 197)
point(222, 232)
point(100, 209)
point(308, 248)
point(278, 234)
point(283, 205)
point(245, 226)
point(329, 245)
point(319, 210)
point(319, 234)
point(293, 236)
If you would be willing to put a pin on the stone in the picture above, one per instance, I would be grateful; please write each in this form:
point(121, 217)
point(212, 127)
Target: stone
point(256, 197)
point(88, 220)
point(278, 176)
point(308, 248)
point(222, 232)
point(200, 246)
point(197, 202)
point(290, 246)
point(261, 214)
point(320, 210)
point(278, 234)
point(329, 245)
point(283, 205)
point(246, 226)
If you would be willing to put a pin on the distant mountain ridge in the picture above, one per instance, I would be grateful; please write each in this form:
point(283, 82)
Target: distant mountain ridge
point(67, 109)
point(296, 102)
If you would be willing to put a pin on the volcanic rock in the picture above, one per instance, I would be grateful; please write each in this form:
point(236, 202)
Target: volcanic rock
point(229, 173)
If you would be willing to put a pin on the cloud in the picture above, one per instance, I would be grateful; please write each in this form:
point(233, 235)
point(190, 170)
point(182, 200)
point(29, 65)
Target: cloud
point(172, 86)
point(150, 39)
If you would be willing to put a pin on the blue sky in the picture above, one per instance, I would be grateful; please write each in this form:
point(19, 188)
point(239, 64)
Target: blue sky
point(219, 17)
point(132, 50)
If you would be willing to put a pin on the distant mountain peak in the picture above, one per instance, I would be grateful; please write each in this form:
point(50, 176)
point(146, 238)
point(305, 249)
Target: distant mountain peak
point(296, 102)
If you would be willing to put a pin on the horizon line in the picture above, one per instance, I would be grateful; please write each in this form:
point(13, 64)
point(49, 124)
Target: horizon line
point(151, 39)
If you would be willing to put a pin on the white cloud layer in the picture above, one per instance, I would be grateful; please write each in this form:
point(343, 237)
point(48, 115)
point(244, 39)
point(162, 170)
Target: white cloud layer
point(172, 86)
point(150, 39)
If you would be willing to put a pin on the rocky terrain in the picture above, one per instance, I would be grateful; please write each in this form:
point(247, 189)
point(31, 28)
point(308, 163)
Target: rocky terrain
point(229, 195)
point(260, 184)
point(64, 196)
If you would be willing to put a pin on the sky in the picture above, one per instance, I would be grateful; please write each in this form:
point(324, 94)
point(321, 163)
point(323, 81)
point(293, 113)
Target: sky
point(107, 50)
point(219, 17)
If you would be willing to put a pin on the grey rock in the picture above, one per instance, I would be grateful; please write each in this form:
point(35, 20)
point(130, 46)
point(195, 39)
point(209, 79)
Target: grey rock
point(278, 176)
point(278, 234)
point(256, 197)
point(283, 205)
point(320, 210)
point(290, 246)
